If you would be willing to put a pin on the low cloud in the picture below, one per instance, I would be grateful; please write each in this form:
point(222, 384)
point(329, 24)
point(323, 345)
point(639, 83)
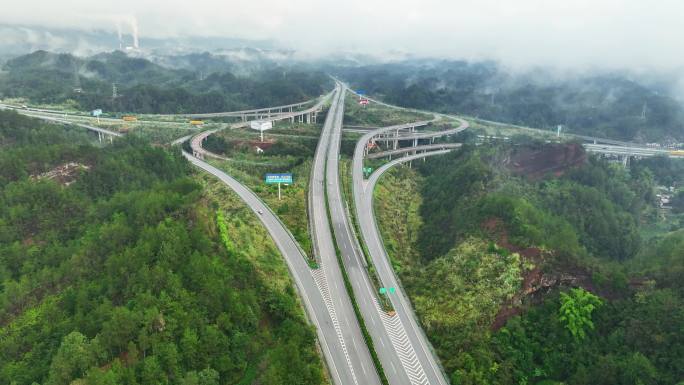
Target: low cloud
point(628, 34)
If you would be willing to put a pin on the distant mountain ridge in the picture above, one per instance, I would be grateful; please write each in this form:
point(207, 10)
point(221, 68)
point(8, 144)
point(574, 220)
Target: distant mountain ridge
point(22, 39)
point(143, 86)
point(611, 104)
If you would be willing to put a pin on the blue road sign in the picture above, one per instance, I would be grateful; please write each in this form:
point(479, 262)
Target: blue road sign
point(361, 92)
point(278, 178)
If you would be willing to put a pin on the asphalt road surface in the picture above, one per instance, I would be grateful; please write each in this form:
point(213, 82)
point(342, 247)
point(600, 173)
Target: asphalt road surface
point(316, 299)
point(359, 359)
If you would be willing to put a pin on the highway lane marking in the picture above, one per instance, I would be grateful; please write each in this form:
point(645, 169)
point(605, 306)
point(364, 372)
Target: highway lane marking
point(322, 282)
point(402, 345)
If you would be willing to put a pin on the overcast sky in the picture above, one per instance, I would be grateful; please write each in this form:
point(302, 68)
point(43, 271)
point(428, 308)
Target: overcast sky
point(574, 33)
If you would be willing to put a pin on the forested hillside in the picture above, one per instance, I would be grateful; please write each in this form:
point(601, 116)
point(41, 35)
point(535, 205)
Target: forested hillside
point(522, 279)
point(146, 87)
point(123, 270)
point(605, 105)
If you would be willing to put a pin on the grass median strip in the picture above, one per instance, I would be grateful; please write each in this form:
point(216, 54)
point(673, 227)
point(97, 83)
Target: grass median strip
point(384, 300)
point(347, 284)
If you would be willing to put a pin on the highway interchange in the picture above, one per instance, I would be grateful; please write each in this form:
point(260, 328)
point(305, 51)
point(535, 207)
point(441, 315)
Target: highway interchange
point(401, 346)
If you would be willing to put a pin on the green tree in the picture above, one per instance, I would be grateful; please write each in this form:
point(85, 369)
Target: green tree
point(73, 358)
point(575, 311)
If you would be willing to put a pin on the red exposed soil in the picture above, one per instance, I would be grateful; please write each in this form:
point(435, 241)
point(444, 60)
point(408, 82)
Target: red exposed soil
point(536, 282)
point(554, 159)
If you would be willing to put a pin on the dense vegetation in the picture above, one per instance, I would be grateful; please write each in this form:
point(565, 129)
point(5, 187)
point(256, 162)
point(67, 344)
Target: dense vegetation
point(605, 105)
point(288, 149)
point(375, 115)
point(520, 280)
point(130, 275)
point(146, 87)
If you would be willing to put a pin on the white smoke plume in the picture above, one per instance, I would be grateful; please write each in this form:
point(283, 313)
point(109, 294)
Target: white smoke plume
point(119, 34)
point(134, 30)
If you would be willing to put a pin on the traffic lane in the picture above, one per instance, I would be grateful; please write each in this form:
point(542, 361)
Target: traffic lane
point(365, 294)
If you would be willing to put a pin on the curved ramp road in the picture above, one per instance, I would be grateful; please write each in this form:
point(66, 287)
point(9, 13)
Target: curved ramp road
point(85, 117)
point(265, 110)
point(199, 151)
point(406, 335)
point(404, 150)
point(62, 121)
point(311, 286)
point(406, 342)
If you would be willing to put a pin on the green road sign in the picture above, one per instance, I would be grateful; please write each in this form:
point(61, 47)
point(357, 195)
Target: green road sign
point(392, 290)
point(383, 290)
